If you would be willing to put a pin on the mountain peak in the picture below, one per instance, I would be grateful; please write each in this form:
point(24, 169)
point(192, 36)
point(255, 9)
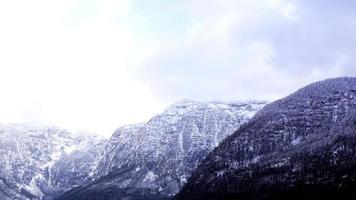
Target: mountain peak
point(294, 148)
point(162, 153)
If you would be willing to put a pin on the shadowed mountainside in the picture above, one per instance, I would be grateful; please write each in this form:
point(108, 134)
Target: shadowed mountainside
point(299, 147)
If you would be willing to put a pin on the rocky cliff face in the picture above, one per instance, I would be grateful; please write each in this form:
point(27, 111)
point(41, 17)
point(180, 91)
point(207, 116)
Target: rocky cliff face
point(161, 154)
point(300, 147)
point(32, 157)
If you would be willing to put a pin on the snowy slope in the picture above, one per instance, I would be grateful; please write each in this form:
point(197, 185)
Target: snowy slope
point(162, 153)
point(30, 157)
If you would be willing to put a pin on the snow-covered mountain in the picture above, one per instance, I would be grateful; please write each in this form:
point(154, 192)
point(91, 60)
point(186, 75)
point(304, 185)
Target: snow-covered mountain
point(37, 162)
point(299, 147)
point(161, 154)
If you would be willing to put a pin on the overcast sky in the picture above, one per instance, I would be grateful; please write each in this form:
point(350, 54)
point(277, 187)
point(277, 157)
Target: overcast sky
point(99, 64)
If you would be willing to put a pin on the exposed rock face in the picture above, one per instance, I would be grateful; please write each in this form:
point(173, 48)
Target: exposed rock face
point(300, 147)
point(32, 157)
point(76, 168)
point(161, 154)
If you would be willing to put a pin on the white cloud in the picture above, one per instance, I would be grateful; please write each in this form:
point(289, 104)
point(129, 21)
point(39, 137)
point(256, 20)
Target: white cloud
point(71, 73)
point(97, 64)
point(253, 49)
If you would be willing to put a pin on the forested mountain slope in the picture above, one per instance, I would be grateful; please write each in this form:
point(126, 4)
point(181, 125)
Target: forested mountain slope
point(299, 147)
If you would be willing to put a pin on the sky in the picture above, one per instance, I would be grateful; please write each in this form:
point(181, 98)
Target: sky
point(100, 64)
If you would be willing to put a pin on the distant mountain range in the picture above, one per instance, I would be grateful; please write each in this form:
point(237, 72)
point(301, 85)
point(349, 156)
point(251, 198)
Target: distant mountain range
point(151, 160)
point(300, 147)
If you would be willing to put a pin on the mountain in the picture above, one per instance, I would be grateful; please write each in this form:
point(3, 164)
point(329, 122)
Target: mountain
point(156, 158)
point(300, 147)
point(40, 162)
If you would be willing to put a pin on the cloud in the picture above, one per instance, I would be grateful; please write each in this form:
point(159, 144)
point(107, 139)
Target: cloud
point(320, 38)
point(98, 64)
point(253, 49)
point(72, 59)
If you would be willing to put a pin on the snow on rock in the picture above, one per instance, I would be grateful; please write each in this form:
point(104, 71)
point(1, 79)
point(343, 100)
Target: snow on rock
point(30, 156)
point(150, 177)
point(162, 153)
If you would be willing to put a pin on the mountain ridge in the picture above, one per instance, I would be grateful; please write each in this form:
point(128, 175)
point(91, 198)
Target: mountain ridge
point(160, 154)
point(30, 159)
point(267, 158)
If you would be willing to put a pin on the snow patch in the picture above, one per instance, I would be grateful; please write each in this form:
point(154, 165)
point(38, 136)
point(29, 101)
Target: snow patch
point(33, 188)
point(296, 141)
point(255, 159)
point(150, 177)
point(69, 149)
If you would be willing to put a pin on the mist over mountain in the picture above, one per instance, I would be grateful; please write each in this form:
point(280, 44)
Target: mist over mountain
point(300, 147)
point(147, 160)
point(250, 125)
